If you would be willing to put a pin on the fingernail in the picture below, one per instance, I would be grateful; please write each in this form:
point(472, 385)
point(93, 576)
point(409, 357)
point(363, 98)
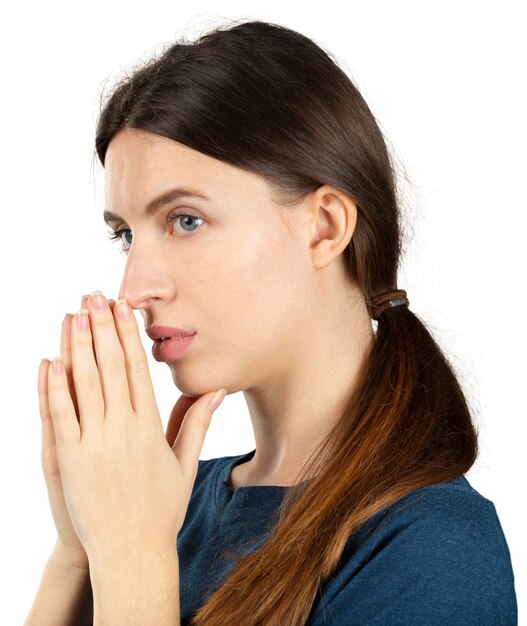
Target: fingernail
point(82, 319)
point(58, 367)
point(98, 301)
point(123, 310)
point(217, 399)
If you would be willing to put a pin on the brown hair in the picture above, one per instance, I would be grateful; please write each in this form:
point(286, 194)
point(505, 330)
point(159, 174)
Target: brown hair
point(267, 99)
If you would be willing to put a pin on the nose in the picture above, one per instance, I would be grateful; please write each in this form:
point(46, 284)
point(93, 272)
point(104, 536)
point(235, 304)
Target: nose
point(145, 283)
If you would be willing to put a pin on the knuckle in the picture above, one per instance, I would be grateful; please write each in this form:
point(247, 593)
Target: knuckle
point(127, 329)
point(202, 422)
point(113, 363)
point(84, 340)
point(139, 366)
point(128, 332)
point(60, 412)
point(55, 385)
point(43, 409)
point(89, 380)
point(106, 321)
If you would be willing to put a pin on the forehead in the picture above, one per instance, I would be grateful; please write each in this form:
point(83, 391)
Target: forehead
point(140, 165)
point(134, 151)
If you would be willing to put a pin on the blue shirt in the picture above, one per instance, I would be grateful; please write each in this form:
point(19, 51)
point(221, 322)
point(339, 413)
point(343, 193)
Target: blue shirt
point(436, 557)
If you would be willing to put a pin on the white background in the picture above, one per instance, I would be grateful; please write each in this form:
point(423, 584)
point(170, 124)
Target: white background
point(446, 81)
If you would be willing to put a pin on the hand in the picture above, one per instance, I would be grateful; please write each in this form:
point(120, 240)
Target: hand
point(124, 482)
point(67, 537)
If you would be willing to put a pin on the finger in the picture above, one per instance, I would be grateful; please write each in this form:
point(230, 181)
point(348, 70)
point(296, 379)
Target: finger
point(84, 305)
point(84, 302)
point(191, 436)
point(110, 356)
point(61, 406)
point(177, 414)
point(65, 352)
point(47, 434)
point(142, 394)
point(86, 373)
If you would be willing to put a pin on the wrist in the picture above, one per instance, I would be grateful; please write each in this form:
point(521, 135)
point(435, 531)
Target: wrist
point(131, 547)
point(142, 581)
point(134, 556)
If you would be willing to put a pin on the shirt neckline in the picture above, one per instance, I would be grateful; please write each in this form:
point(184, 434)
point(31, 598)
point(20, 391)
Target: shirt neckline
point(267, 497)
point(246, 496)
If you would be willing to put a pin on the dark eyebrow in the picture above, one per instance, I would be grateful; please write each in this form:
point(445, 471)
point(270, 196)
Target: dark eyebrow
point(154, 205)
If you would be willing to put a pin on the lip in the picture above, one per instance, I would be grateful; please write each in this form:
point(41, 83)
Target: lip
point(171, 348)
point(159, 332)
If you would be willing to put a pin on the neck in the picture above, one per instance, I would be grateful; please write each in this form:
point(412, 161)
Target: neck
point(293, 410)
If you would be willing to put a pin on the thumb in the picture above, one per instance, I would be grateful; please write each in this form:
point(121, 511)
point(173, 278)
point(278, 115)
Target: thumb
point(191, 435)
point(177, 414)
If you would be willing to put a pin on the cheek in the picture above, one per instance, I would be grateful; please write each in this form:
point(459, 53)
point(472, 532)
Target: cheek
point(252, 303)
point(250, 288)
point(265, 284)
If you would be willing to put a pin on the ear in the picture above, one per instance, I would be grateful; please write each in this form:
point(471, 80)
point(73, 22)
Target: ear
point(333, 217)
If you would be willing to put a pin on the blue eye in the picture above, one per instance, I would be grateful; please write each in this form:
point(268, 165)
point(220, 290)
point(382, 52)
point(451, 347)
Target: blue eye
point(117, 235)
point(192, 217)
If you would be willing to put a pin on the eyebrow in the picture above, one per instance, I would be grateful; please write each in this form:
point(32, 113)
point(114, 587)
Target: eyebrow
point(165, 198)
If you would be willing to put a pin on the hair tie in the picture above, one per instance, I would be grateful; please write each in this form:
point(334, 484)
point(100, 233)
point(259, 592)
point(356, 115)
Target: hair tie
point(380, 303)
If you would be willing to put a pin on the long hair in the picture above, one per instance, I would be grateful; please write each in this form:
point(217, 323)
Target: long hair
point(266, 98)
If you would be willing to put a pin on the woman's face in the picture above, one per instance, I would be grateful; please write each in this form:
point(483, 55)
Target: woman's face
point(237, 272)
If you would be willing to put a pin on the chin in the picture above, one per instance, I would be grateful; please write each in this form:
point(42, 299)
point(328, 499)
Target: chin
point(190, 386)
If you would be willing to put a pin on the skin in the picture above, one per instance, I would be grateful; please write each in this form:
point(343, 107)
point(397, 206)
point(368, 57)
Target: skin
point(100, 425)
point(114, 478)
point(263, 286)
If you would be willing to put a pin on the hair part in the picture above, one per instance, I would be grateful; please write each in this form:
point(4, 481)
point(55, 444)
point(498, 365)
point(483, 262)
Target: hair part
point(267, 99)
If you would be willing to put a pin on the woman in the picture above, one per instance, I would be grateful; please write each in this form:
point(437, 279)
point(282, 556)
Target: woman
point(251, 188)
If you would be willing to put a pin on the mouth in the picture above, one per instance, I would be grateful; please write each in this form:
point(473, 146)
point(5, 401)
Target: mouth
point(160, 333)
point(173, 337)
point(175, 346)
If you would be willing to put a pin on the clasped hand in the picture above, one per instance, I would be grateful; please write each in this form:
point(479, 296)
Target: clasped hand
point(126, 483)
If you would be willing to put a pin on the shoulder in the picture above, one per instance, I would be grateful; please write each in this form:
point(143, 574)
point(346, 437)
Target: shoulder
point(446, 530)
point(452, 512)
point(436, 556)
